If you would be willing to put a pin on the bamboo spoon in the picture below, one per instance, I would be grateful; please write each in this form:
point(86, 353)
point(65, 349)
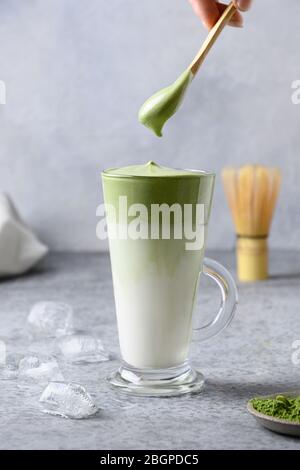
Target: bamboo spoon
point(162, 105)
point(212, 37)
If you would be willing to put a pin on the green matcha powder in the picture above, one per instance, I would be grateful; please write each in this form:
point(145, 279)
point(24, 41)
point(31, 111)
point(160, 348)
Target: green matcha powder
point(281, 407)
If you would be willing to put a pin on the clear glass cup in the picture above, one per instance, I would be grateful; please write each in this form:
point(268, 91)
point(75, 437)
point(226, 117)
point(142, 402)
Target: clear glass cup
point(156, 284)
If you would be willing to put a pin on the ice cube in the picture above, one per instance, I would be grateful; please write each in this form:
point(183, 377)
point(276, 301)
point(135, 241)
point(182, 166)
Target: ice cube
point(9, 369)
point(51, 318)
point(39, 368)
point(68, 400)
point(82, 349)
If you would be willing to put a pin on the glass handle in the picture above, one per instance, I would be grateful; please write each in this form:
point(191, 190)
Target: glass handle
point(229, 299)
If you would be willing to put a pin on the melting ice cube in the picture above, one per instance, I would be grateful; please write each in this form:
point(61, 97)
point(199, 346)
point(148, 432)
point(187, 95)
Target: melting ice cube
point(51, 318)
point(82, 349)
point(68, 400)
point(9, 369)
point(39, 368)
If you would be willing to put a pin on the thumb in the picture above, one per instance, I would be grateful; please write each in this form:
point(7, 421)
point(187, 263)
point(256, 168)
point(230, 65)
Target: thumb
point(243, 5)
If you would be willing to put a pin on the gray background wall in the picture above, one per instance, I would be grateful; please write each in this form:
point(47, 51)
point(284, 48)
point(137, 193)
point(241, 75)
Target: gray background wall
point(76, 73)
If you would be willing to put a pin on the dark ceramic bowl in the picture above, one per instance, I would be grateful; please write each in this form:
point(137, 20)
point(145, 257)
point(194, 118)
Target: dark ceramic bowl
point(274, 424)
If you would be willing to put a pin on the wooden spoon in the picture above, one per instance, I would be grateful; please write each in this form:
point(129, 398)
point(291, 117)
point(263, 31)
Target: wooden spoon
point(212, 37)
point(157, 109)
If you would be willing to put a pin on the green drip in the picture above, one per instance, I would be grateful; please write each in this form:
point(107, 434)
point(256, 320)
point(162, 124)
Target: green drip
point(281, 407)
point(155, 112)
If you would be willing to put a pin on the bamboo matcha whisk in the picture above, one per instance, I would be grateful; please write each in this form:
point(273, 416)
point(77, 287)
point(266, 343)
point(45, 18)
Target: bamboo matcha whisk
point(252, 193)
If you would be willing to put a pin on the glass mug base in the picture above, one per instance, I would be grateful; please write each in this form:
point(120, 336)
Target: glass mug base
point(169, 382)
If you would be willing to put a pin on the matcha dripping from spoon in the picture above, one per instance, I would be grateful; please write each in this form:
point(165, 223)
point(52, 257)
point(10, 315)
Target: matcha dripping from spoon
point(157, 109)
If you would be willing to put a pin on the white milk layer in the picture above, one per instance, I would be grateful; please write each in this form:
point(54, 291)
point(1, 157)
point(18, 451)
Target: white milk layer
point(155, 286)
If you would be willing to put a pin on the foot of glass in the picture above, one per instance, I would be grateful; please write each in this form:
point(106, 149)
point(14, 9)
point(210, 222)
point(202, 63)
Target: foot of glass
point(157, 383)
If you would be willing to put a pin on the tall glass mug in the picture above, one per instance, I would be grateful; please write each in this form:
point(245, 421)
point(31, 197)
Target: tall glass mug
point(156, 221)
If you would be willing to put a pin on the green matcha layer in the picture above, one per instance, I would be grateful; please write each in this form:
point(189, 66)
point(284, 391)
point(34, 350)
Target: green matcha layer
point(154, 184)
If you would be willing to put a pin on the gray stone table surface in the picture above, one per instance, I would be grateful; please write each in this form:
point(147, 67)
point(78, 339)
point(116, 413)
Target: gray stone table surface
point(252, 357)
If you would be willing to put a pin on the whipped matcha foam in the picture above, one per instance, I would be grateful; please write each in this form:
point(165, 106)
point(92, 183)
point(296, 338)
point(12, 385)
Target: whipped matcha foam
point(156, 111)
point(150, 169)
point(151, 183)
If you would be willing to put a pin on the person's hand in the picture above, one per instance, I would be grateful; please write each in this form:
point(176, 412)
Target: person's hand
point(209, 11)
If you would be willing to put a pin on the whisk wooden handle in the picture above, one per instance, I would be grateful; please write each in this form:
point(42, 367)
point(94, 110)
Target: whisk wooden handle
point(252, 259)
point(212, 37)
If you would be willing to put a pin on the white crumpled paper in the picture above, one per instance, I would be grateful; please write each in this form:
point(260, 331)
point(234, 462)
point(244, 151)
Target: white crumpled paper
point(19, 247)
